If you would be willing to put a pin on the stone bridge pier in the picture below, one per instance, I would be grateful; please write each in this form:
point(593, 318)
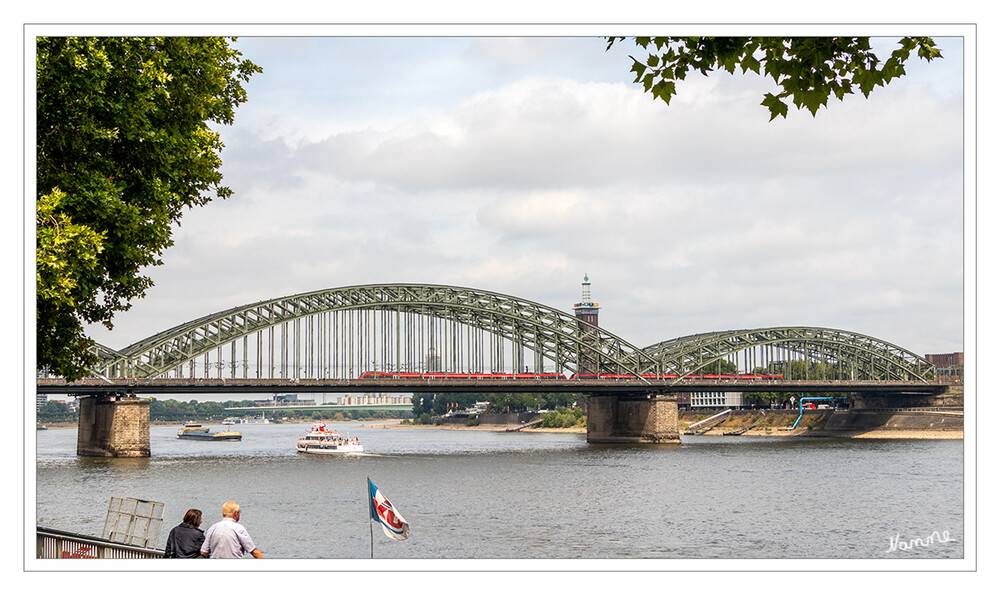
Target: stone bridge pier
point(113, 426)
point(635, 419)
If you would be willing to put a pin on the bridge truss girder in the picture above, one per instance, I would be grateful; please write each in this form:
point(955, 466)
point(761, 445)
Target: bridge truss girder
point(551, 334)
point(857, 353)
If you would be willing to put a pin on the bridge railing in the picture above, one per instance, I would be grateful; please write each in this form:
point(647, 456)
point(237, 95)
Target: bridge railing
point(54, 544)
point(943, 410)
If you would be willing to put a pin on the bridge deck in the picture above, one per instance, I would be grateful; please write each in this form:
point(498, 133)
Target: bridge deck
point(408, 385)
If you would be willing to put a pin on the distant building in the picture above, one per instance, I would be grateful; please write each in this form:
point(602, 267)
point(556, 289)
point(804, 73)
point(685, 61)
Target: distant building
point(947, 360)
point(433, 361)
point(716, 400)
point(949, 367)
point(284, 401)
point(375, 399)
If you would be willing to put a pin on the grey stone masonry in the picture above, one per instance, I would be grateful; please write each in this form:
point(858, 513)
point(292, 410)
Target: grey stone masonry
point(113, 426)
point(649, 420)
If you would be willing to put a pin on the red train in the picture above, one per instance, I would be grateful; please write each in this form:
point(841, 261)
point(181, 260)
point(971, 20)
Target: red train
point(676, 376)
point(465, 375)
point(553, 376)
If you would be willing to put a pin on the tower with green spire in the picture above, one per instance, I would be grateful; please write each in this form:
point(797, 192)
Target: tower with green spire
point(587, 309)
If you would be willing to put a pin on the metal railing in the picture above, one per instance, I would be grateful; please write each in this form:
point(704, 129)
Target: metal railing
point(942, 410)
point(54, 544)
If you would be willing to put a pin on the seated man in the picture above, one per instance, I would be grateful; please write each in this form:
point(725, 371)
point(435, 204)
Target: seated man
point(228, 538)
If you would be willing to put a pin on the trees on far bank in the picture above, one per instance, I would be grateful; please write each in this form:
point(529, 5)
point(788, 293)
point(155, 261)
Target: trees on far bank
point(435, 404)
point(55, 411)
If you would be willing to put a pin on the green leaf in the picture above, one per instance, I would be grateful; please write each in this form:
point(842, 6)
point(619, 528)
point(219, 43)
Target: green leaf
point(749, 63)
point(775, 106)
point(664, 90)
point(638, 68)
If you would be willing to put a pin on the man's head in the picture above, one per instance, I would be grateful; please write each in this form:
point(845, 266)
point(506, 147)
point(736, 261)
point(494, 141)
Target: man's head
point(231, 510)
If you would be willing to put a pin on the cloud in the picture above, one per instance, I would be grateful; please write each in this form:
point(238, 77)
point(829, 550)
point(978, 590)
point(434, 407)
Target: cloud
point(697, 216)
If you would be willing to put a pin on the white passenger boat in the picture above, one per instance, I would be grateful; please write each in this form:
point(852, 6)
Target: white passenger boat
point(321, 440)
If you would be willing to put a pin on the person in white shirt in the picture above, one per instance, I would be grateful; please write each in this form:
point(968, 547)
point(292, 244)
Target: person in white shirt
point(228, 538)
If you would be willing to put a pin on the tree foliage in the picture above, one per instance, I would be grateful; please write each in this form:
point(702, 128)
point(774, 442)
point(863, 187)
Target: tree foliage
point(564, 417)
point(435, 404)
point(123, 147)
point(719, 366)
point(801, 370)
point(520, 402)
point(53, 411)
point(807, 69)
point(441, 403)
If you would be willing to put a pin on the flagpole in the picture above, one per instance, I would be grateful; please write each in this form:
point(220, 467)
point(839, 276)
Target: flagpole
point(371, 531)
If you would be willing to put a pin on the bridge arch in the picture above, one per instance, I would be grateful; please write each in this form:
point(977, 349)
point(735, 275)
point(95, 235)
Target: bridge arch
point(343, 332)
point(395, 325)
point(844, 355)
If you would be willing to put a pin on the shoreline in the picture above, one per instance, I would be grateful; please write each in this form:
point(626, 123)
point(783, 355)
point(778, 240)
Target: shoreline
point(875, 434)
point(396, 424)
point(870, 434)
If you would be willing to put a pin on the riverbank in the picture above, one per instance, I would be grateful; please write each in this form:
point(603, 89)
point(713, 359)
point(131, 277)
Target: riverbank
point(210, 423)
point(74, 425)
point(915, 425)
point(864, 434)
point(397, 424)
point(900, 425)
point(908, 425)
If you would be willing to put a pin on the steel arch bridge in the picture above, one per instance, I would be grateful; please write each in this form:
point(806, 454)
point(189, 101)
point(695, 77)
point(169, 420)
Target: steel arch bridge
point(341, 333)
point(398, 327)
point(836, 354)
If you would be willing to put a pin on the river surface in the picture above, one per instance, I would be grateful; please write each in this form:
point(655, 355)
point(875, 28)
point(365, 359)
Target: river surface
point(507, 495)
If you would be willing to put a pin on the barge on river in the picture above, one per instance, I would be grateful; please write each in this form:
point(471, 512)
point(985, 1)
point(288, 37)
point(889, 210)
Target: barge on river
point(199, 432)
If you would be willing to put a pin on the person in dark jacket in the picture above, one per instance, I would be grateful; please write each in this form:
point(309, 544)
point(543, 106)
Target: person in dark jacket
point(185, 539)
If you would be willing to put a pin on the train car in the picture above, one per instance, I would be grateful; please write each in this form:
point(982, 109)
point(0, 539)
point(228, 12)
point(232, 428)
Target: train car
point(464, 375)
point(554, 376)
point(750, 377)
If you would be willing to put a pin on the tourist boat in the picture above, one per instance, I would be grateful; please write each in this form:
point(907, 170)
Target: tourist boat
point(193, 431)
point(320, 440)
point(232, 420)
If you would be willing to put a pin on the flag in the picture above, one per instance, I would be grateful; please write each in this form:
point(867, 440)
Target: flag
point(393, 523)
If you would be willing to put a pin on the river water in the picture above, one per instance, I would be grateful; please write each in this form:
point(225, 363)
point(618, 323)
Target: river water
point(527, 496)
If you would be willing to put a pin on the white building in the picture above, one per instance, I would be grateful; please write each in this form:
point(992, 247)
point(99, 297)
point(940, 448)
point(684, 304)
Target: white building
point(375, 399)
point(717, 400)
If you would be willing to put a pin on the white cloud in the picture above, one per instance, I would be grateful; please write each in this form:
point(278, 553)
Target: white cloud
point(694, 217)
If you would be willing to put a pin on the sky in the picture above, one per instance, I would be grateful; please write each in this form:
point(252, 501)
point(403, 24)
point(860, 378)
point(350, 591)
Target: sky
point(520, 164)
